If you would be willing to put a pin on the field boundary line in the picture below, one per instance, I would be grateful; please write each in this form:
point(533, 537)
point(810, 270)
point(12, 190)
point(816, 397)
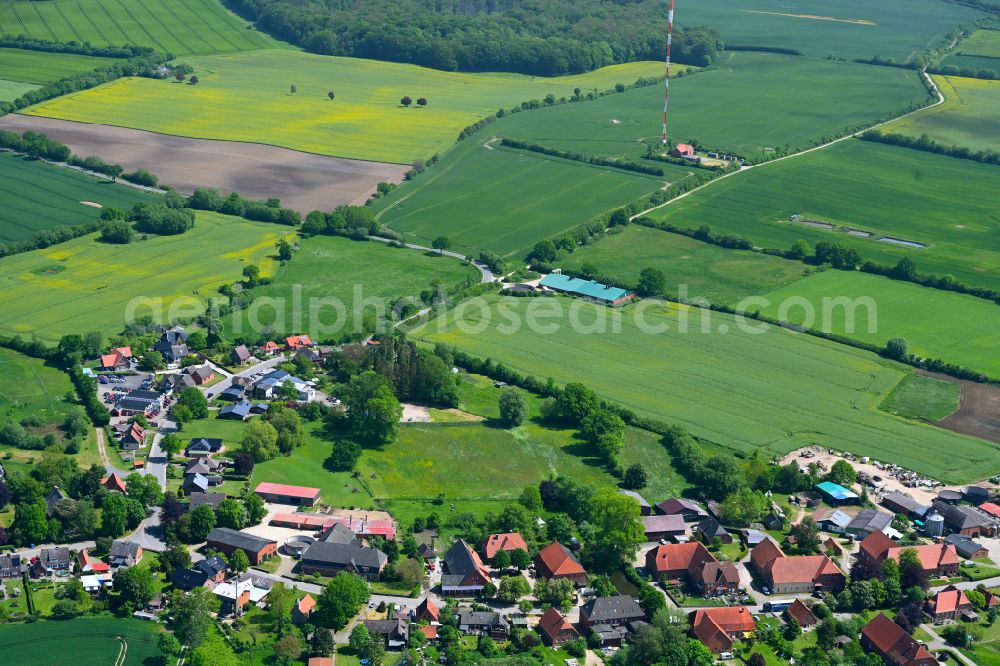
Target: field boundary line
point(45, 24)
point(100, 33)
point(166, 27)
point(142, 26)
point(941, 100)
point(67, 22)
point(20, 20)
point(210, 25)
point(115, 22)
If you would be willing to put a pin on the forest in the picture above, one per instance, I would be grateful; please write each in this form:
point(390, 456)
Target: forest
point(538, 37)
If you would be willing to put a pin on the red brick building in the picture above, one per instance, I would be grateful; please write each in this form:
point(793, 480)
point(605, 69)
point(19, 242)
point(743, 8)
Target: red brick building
point(888, 640)
point(720, 628)
point(556, 561)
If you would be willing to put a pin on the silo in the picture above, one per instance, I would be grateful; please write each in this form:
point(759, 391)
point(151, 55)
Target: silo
point(934, 525)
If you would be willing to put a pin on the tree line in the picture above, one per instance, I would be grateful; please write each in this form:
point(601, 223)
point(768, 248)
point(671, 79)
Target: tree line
point(929, 145)
point(540, 37)
point(580, 157)
point(86, 48)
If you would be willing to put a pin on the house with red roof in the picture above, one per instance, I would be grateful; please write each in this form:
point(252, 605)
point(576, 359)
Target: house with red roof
point(948, 604)
point(271, 348)
point(683, 150)
point(496, 542)
point(90, 564)
point(430, 632)
point(282, 493)
point(427, 611)
point(116, 359)
point(114, 484)
point(556, 561)
point(939, 560)
point(303, 609)
point(990, 508)
point(719, 628)
point(676, 562)
point(802, 614)
point(800, 573)
point(295, 342)
point(888, 640)
point(556, 628)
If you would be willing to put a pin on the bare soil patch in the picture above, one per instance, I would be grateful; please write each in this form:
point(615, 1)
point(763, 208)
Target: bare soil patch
point(978, 411)
point(302, 181)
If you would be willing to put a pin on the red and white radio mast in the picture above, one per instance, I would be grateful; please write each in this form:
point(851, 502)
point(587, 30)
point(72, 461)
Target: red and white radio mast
point(666, 77)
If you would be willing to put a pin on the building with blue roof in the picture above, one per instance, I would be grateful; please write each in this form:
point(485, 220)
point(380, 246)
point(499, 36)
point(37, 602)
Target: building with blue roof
point(836, 494)
point(589, 289)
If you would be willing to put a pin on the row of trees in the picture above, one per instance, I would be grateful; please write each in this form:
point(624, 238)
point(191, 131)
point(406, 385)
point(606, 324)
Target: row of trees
point(625, 165)
point(260, 211)
point(542, 37)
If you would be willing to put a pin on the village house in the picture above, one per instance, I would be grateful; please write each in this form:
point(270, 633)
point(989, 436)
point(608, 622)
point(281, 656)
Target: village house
point(802, 614)
point(55, 496)
point(719, 628)
point(426, 611)
point(232, 393)
point(271, 386)
point(888, 640)
point(966, 548)
point(51, 560)
point(900, 503)
point(89, 564)
point(663, 527)
point(800, 573)
point(280, 493)
point(201, 374)
point(711, 529)
point(213, 500)
point(465, 574)
point(175, 383)
point(204, 573)
point(270, 348)
point(134, 437)
point(173, 344)
point(483, 623)
point(685, 150)
point(676, 563)
point(556, 629)
point(295, 342)
point(12, 566)
point(495, 543)
point(395, 633)
point(556, 561)
point(692, 512)
point(871, 520)
point(195, 483)
point(117, 359)
point(645, 508)
point(235, 595)
point(240, 355)
point(138, 401)
point(939, 560)
point(303, 608)
point(610, 617)
point(94, 584)
point(203, 446)
point(949, 604)
point(257, 549)
point(716, 578)
point(329, 559)
point(125, 553)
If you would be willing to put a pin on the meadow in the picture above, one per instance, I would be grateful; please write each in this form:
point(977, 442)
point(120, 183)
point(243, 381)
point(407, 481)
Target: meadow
point(954, 327)
point(848, 29)
point(704, 271)
point(11, 90)
point(943, 202)
point(247, 97)
point(342, 271)
point(181, 27)
point(746, 390)
point(37, 196)
point(923, 398)
point(505, 200)
point(31, 386)
point(84, 641)
point(42, 67)
point(744, 105)
point(984, 43)
point(86, 285)
point(969, 117)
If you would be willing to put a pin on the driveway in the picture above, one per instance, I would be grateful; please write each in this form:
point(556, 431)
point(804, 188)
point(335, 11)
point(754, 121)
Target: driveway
point(937, 643)
point(262, 367)
point(156, 461)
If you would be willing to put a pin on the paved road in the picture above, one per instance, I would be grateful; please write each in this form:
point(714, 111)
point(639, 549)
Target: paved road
point(265, 365)
point(156, 461)
point(937, 643)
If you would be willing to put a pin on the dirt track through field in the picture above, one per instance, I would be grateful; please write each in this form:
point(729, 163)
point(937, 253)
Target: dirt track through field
point(302, 181)
point(978, 411)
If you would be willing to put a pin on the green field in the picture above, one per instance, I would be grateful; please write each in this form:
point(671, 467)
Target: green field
point(923, 398)
point(937, 324)
point(745, 105)
point(11, 90)
point(246, 97)
point(777, 390)
point(982, 43)
point(86, 285)
point(37, 196)
point(969, 117)
point(976, 62)
point(705, 271)
point(180, 27)
point(330, 272)
point(42, 67)
point(30, 386)
point(84, 641)
point(819, 28)
point(506, 200)
point(946, 203)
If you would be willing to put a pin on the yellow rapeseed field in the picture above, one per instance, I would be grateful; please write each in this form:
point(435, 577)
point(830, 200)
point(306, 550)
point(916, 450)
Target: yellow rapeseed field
point(247, 97)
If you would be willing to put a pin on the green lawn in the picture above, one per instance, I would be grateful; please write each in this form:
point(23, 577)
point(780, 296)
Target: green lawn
point(944, 325)
point(333, 278)
point(731, 386)
point(38, 196)
point(969, 117)
point(85, 641)
point(180, 27)
point(699, 269)
point(40, 67)
point(247, 97)
point(85, 285)
point(948, 204)
point(923, 398)
point(861, 29)
point(506, 200)
point(745, 105)
point(987, 651)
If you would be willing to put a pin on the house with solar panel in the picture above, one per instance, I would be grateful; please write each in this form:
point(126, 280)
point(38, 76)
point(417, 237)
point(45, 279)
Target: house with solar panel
point(586, 289)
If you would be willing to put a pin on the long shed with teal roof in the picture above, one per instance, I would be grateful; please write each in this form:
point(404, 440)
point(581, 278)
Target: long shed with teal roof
point(596, 291)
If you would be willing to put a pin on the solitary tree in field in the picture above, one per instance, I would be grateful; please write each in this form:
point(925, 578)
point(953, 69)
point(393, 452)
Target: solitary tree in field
point(441, 243)
point(406, 101)
point(115, 171)
point(194, 80)
point(897, 348)
point(294, 89)
point(331, 95)
point(422, 101)
point(179, 76)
